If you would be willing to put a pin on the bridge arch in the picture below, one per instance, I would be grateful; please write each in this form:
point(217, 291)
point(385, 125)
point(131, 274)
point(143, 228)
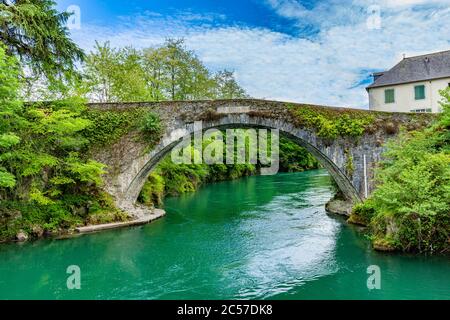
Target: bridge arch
point(300, 136)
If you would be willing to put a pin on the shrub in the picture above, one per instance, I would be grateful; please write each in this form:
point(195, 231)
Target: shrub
point(150, 123)
point(152, 192)
point(331, 123)
point(151, 128)
point(363, 212)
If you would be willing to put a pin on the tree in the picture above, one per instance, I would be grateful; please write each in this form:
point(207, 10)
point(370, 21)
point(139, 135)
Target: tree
point(176, 65)
point(99, 69)
point(179, 74)
point(9, 85)
point(40, 144)
point(116, 75)
point(155, 77)
point(130, 81)
point(36, 33)
point(227, 86)
point(167, 72)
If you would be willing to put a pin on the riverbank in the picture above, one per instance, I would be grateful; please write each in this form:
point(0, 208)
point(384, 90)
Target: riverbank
point(149, 216)
point(409, 210)
point(155, 214)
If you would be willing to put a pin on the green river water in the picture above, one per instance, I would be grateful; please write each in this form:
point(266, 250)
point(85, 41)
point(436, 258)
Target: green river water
point(265, 237)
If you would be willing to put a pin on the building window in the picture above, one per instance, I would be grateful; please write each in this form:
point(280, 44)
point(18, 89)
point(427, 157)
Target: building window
point(419, 92)
point(389, 96)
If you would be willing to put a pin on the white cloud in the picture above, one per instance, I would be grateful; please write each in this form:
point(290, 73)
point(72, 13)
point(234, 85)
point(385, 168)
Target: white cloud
point(404, 3)
point(323, 69)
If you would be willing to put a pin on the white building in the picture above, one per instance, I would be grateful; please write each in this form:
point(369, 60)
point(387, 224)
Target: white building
point(412, 85)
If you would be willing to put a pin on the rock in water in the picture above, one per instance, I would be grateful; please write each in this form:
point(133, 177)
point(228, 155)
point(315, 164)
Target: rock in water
point(341, 207)
point(21, 236)
point(37, 231)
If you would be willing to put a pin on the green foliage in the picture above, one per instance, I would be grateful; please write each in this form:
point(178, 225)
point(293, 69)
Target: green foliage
point(348, 126)
point(180, 75)
point(113, 75)
point(349, 166)
point(443, 123)
point(101, 209)
point(182, 178)
point(151, 127)
point(226, 86)
point(108, 126)
point(88, 171)
point(9, 87)
point(7, 180)
point(294, 158)
point(365, 211)
point(9, 81)
point(170, 71)
point(36, 33)
point(331, 123)
point(414, 178)
point(422, 233)
point(8, 140)
point(58, 216)
point(45, 176)
point(411, 203)
point(42, 152)
point(152, 192)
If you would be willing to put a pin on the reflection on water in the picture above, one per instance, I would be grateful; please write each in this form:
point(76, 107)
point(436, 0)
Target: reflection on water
point(258, 237)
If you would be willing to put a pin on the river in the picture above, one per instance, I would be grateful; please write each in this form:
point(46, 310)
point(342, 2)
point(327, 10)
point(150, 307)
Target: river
point(265, 237)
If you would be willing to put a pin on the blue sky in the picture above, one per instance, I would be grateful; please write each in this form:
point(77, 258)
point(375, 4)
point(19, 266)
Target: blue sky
point(250, 13)
point(310, 51)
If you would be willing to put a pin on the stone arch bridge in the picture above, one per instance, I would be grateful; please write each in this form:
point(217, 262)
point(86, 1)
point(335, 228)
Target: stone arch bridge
point(350, 159)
